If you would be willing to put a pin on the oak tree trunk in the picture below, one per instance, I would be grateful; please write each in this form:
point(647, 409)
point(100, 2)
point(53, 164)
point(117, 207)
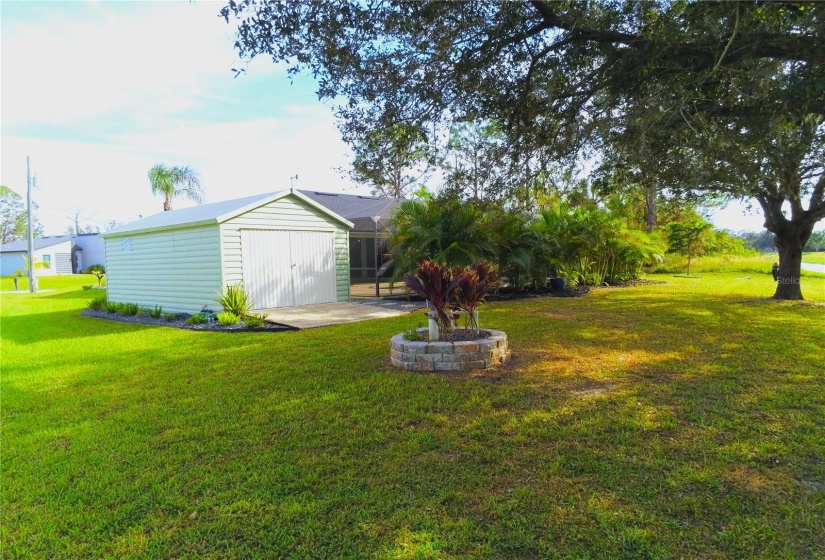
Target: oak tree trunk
point(789, 242)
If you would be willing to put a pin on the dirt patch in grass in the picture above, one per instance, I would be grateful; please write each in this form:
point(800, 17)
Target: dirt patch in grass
point(783, 302)
point(592, 389)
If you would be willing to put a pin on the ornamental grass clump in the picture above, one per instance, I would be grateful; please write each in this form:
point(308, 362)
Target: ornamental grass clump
point(97, 304)
point(113, 306)
point(130, 309)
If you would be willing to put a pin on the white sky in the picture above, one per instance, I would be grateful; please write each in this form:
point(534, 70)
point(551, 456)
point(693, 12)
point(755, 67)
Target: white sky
point(97, 93)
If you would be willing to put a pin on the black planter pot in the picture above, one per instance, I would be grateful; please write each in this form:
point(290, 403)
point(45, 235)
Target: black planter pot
point(557, 284)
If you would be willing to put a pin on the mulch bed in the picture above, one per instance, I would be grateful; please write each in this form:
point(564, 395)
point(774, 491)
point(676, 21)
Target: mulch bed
point(180, 323)
point(456, 335)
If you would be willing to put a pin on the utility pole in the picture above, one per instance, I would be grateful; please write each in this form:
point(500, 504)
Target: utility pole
point(32, 284)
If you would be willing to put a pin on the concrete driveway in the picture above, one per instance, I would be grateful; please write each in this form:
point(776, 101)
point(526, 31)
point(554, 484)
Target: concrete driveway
point(321, 315)
point(813, 267)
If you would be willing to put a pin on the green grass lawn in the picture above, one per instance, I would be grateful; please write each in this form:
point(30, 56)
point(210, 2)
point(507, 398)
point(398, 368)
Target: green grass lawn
point(684, 420)
point(815, 258)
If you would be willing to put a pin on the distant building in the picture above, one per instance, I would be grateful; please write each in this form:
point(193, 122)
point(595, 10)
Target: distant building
point(63, 254)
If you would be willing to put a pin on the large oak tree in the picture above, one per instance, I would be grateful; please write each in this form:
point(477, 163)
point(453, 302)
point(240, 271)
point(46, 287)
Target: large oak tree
point(728, 96)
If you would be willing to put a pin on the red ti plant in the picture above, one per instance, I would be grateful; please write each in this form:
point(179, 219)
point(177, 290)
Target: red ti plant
point(436, 283)
point(476, 282)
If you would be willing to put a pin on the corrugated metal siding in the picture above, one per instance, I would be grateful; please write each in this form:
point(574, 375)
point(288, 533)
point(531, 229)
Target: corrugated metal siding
point(179, 270)
point(286, 268)
point(267, 268)
point(287, 213)
point(314, 272)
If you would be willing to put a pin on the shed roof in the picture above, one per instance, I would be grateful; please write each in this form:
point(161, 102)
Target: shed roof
point(214, 213)
point(39, 243)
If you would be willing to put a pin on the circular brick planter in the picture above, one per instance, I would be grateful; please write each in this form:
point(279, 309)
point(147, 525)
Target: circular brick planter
point(466, 355)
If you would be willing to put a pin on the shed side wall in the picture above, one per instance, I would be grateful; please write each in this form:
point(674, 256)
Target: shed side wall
point(179, 270)
point(287, 213)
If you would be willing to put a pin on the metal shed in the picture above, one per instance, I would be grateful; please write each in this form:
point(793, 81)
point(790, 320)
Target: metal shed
point(284, 248)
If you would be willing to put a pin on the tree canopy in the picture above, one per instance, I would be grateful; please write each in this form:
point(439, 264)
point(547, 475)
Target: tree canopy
point(394, 162)
point(13, 222)
point(720, 97)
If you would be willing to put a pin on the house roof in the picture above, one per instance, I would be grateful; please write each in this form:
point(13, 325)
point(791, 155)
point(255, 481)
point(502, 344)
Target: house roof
point(359, 209)
point(39, 243)
point(214, 213)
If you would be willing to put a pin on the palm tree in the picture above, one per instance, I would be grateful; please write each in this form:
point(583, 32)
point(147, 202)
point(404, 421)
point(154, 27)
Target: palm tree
point(175, 181)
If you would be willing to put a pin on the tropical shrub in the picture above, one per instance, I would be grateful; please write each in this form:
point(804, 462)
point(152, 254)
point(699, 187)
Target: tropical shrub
point(449, 290)
point(476, 282)
point(226, 318)
point(519, 251)
point(435, 283)
point(235, 300)
point(587, 244)
point(442, 229)
point(591, 245)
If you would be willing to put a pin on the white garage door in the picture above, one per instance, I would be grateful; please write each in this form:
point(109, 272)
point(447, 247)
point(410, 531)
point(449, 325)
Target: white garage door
point(287, 268)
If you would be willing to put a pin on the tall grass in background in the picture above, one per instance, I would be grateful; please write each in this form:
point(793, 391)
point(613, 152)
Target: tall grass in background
point(755, 263)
